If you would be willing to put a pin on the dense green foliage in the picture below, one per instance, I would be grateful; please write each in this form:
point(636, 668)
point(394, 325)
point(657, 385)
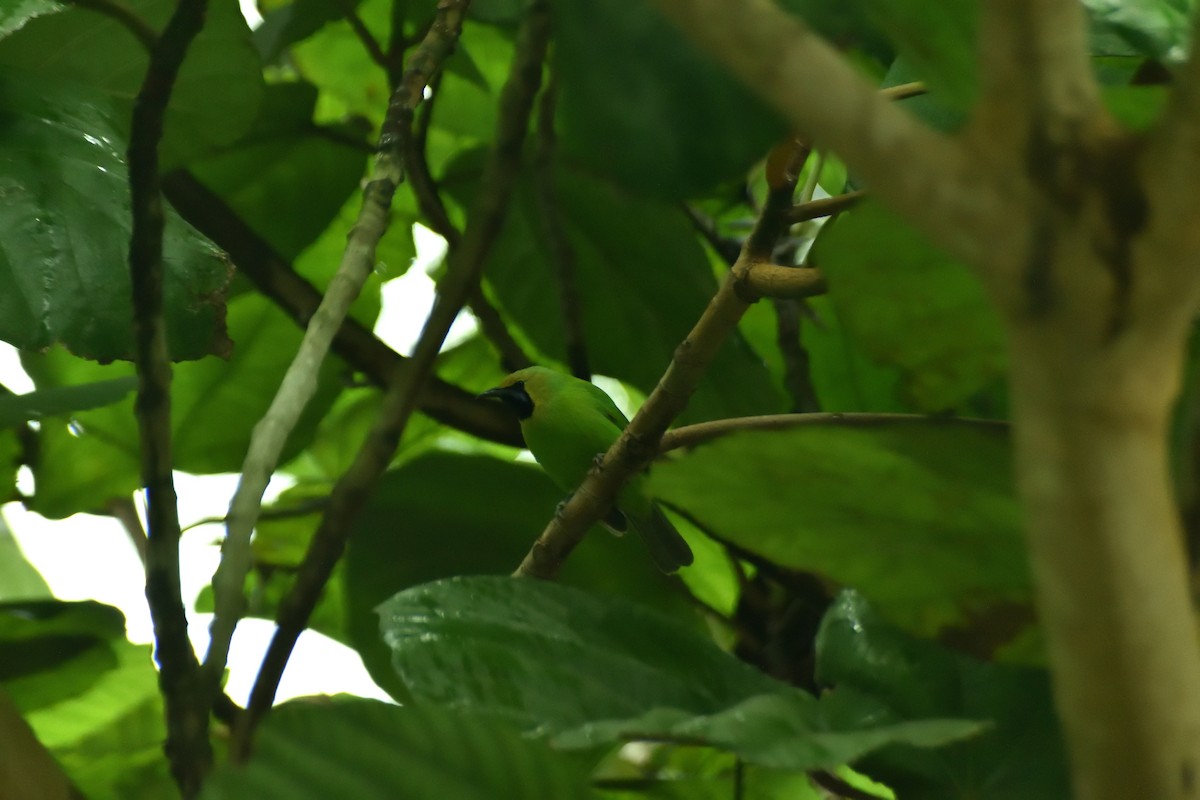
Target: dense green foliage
point(861, 594)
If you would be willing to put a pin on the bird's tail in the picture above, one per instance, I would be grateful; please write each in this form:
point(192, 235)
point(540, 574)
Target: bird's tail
point(667, 547)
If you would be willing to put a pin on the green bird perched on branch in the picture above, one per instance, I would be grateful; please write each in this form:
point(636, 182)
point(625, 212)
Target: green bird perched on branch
point(567, 422)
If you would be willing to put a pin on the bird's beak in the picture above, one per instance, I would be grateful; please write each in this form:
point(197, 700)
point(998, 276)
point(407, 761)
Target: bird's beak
point(497, 393)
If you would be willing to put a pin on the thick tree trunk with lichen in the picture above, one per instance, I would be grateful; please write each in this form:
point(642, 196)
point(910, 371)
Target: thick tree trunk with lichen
point(1106, 550)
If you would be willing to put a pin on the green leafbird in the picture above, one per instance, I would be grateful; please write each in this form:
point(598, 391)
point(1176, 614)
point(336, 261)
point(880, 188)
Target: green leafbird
point(567, 422)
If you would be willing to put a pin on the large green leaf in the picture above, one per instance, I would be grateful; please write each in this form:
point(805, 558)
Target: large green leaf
point(215, 98)
point(887, 675)
point(215, 405)
point(643, 281)
point(591, 670)
point(909, 306)
point(287, 178)
point(919, 514)
point(64, 273)
point(373, 751)
point(446, 514)
point(641, 104)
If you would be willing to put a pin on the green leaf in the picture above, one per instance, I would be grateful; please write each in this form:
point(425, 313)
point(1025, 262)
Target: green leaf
point(640, 104)
point(17, 12)
point(1159, 29)
point(64, 273)
point(51, 651)
point(887, 675)
point(19, 580)
point(845, 378)
point(643, 280)
point(919, 514)
point(287, 178)
point(109, 738)
point(373, 751)
point(18, 408)
point(909, 306)
point(446, 514)
point(214, 100)
point(215, 405)
point(590, 670)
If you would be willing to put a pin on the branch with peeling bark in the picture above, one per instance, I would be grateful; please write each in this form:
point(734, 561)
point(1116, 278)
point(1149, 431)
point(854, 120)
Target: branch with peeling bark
point(639, 443)
point(187, 746)
point(300, 382)
point(484, 221)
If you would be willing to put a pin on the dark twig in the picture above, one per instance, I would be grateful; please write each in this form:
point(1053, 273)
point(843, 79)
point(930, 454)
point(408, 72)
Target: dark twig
point(429, 200)
point(796, 378)
point(369, 42)
point(495, 330)
point(276, 279)
point(727, 248)
point(484, 222)
point(639, 443)
point(187, 747)
point(562, 255)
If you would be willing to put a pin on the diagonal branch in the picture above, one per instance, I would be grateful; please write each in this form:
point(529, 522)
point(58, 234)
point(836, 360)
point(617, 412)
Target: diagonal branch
point(484, 221)
point(187, 747)
point(638, 445)
point(941, 190)
point(300, 382)
point(361, 349)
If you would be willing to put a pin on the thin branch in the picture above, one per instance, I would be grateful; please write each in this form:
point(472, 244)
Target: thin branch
point(694, 435)
point(904, 91)
point(824, 207)
point(484, 221)
point(361, 349)
point(187, 747)
point(495, 330)
point(941, 189)
point(429, 201)
point(369, 42)
point(124, 511)
point(796, 363)
point(420, 179)
point(562, 255)
point(640, 440)
point(300, 382)
point(727, 248)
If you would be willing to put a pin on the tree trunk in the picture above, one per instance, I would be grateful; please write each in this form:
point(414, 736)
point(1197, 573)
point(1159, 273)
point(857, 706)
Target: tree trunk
point(1107, 553)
